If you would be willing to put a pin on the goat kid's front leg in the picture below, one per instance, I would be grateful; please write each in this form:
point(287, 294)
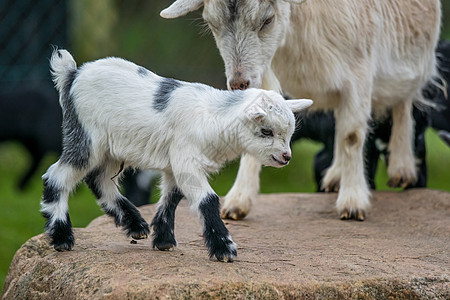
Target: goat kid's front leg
point(239, 200)
point(202, 198)
point(216, 235)
point(164, 221)
point(402, 166)
point(352, 116)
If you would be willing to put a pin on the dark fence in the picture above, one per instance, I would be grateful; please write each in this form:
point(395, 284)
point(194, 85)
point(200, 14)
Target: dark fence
point(92, 29)
point(28, 28)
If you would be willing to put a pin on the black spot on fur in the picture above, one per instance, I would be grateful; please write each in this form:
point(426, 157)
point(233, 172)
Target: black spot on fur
point(233, 98)
point(142, 71)
point(60, 233)
point(51, 193)
point(162, 95)
point(232, 7)
point(351, 139)
point(91, 180)
point(215, 233)
point(76, 142)
point(164, 221)
point(45, 215)
point(126, 215)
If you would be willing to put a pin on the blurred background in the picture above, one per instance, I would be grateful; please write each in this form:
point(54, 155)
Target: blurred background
point(132, 29)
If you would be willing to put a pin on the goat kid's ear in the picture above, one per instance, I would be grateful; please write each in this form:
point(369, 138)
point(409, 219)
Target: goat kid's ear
point(297, 105)
point(255, 113)
point(180, 8)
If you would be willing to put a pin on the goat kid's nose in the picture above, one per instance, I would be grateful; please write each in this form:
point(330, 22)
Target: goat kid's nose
point(287, 157)
point(239, 84)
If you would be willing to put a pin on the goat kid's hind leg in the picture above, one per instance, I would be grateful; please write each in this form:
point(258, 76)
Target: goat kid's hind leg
point(352, 116)
point(164, 221)
point(59, 180)
point(244, 191)
point(103, 183)
point(402, 166)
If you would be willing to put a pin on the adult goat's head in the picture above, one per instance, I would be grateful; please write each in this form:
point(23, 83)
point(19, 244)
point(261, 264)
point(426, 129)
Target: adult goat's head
point(247, 33)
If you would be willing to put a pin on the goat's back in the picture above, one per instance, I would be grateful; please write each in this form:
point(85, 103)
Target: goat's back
point(331, 42)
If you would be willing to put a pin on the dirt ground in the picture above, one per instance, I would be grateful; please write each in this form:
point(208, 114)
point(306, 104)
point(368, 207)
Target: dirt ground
point(290, 246)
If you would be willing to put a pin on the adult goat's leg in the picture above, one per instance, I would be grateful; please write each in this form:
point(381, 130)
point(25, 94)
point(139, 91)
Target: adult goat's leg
point(244, 191)
point(352, 116)
point(402, 167)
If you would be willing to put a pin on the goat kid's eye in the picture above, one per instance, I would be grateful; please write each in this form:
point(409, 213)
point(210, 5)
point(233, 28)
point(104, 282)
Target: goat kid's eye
point(267, 132)
point(267, 22)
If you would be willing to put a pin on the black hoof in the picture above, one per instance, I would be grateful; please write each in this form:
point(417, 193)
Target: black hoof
point(164, 241)
point(165, 246)
point(63, 247)
point(61, 235)
point(224, 249)
point(139, 231)
point(64, 243)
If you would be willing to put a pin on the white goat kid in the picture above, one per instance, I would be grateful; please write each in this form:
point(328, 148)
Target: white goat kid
point(356, 57)
point(117, 114)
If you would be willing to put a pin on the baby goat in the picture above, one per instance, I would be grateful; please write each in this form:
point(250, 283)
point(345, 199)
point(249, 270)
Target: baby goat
point(117, 114)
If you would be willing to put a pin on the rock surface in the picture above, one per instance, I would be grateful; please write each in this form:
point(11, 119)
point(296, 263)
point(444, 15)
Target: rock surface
point(290, 246)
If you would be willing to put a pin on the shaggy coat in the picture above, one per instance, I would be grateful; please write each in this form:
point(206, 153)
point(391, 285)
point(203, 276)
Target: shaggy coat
point(356, 57)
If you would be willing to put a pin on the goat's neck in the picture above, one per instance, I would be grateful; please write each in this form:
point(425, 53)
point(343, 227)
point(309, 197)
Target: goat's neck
point(227, 126)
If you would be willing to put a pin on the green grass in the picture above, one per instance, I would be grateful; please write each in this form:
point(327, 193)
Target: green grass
point(20, 218)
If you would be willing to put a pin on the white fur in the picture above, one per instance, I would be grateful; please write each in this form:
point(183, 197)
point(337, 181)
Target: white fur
point(114, 104)
point(192, 136)
point(355, 57)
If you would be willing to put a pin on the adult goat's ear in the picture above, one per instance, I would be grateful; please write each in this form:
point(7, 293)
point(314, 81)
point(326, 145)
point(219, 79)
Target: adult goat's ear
point(180, 8)
point(299, 104)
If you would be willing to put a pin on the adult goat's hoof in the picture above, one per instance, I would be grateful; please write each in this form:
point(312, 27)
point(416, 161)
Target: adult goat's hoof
point(233, 213)
point(358, 215)
point(400, 181)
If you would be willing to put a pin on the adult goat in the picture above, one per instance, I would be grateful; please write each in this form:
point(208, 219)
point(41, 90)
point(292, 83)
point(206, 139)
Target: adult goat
point(354, 57)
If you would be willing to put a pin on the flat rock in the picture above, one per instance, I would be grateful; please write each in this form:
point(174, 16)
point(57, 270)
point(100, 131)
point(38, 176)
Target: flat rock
point(290, 246)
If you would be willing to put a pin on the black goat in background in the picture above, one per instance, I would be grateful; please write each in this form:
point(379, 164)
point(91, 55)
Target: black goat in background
point(33, 118)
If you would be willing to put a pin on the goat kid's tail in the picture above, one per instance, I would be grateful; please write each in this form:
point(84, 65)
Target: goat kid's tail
point(62, 68)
